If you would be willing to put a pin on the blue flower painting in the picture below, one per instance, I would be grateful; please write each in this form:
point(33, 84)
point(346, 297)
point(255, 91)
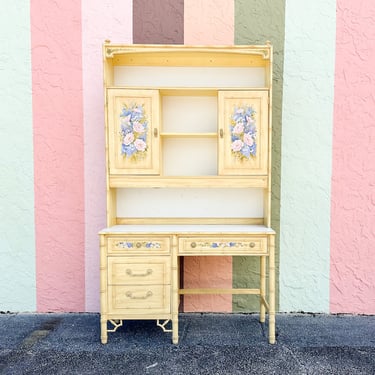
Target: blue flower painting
point(243, 132)
point(133, 132)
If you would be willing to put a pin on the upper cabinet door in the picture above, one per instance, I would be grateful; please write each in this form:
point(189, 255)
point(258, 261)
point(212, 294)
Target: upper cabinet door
point(243, 133)
point(133, 131)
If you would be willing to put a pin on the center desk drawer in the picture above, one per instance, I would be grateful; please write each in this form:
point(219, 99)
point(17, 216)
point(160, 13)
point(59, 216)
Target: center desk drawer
point(139, 270)
point(222, 245)
point(138, 245)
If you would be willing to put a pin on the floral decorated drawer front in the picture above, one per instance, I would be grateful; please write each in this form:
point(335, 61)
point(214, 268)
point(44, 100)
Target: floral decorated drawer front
point(130, 245)
point(243, 132)
point(230, 246)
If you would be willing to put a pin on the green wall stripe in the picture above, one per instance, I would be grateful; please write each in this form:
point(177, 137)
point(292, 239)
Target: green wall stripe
point(17, 239)
point(255, 23)
point(306, 155)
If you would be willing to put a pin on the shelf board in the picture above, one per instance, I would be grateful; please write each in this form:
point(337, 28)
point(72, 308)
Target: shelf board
point(188, 135)
point(119, 181)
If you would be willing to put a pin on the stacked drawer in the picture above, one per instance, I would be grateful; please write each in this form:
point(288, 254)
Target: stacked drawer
point(139, 276)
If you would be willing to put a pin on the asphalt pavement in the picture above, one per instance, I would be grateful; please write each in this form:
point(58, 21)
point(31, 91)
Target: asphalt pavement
point(209, 344)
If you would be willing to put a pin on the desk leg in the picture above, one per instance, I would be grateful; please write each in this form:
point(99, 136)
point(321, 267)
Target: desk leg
point(175, 287)
point(262, 318)
point(103, 291)
point(271, 312)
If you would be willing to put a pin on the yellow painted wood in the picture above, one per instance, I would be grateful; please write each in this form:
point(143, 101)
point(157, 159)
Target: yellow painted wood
point(137, 245)
point(139, 298)
point(223, 245)
point(122, 181)
point(189, 221)
point(229, 162)
point(143, 162)
point(198, 58)
point(140, 268)
point(218, 291)
point(188, 135)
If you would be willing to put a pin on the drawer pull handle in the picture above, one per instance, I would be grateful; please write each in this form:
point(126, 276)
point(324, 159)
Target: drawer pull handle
point(252, 244)
point(221, 133)
point(138, 245)
point(155, 132)
point(131, 296)
point(193, 245)
point(147, 273)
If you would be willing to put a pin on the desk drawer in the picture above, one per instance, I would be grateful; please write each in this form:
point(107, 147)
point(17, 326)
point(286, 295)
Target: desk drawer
point(223, 245)
point(138, 245)
point(139, 270)
point(148, 299)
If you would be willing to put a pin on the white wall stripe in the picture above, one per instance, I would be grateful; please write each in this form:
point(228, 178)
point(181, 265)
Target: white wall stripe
point(306, 155)
point(17, 238)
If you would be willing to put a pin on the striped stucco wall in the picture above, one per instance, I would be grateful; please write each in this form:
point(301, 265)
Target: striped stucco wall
point(52, 164)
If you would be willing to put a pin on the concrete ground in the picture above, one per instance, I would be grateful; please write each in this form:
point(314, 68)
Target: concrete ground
point(209, 344)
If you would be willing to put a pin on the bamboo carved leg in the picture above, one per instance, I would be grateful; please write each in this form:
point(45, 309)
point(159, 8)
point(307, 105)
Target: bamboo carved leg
point(175, 288)
point(103, 291)
point(262, 317)
point(271, 313)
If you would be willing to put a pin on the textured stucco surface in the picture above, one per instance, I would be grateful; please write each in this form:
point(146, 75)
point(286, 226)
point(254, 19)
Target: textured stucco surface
point(353, 178)
point(255, 23)
point(17, 241)
point(101, 20)
point(58, 154)
point(158, 21)
point(306, 155)
point(209, 22)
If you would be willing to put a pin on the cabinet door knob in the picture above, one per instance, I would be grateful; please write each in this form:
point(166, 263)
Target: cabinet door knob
point(193, 245)
point(221, 133)
point(252, 244)
point(155, 132)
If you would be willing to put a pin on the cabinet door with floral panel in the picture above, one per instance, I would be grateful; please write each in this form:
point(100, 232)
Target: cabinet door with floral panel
point(133, 131)
point(243, 132)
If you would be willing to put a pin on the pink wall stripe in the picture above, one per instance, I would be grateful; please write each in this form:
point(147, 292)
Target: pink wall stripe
point(101, 20)
point(353, 181)
point(58, 154)
point(208, 22)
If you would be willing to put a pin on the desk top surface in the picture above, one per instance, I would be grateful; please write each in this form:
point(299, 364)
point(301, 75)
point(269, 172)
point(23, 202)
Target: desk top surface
point(187, 229)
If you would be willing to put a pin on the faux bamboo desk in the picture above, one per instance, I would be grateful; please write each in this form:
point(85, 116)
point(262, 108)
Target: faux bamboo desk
point(139, 269)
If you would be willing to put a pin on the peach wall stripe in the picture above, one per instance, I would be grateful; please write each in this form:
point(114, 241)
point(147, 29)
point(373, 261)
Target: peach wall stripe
point(101, 20)
point(58, 154)
point(208, 22)
point(352, 285)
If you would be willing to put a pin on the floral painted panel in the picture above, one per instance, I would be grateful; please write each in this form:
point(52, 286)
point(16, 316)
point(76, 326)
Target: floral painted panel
point(133, 134)
point(243, 132)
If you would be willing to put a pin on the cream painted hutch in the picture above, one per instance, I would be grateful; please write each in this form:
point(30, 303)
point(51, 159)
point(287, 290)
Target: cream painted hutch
point(188, 151)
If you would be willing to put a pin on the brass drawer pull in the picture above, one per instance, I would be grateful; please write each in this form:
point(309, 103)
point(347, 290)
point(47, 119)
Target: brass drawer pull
point(221, 133)
point(193, 245)
point(147, 273)
point(155, 132)
point(138, 245)
point(130, 295)
point(252, 244)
